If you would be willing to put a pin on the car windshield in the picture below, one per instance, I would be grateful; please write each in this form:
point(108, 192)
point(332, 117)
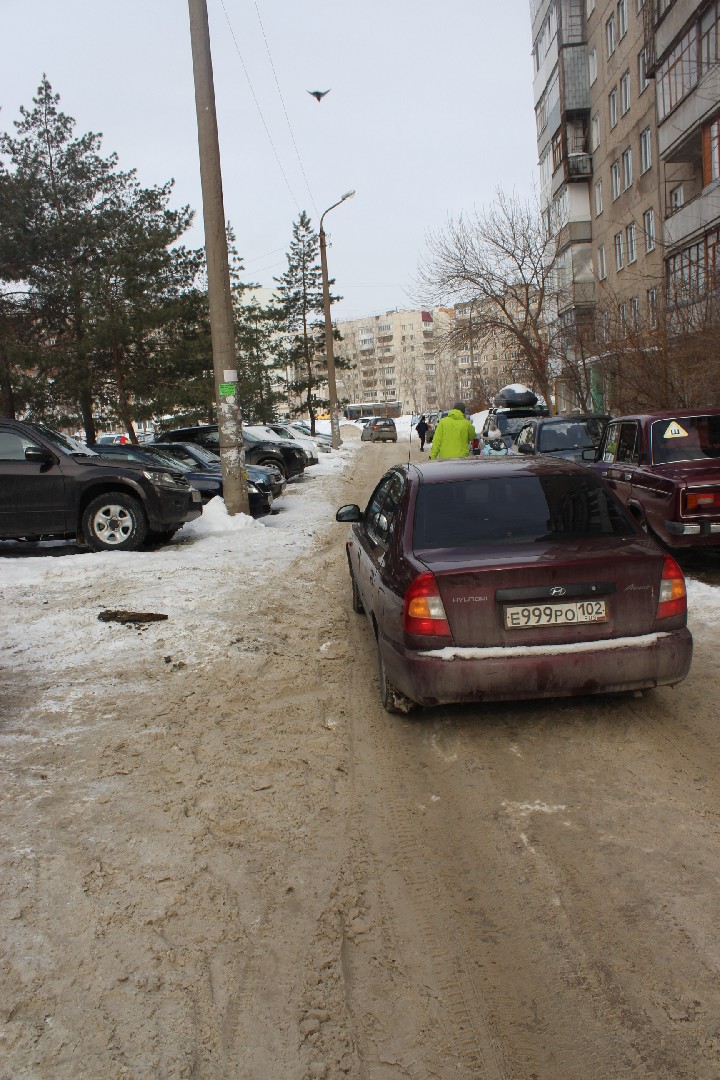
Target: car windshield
point(569, 435)
point(515, 509)
point(691, 438)
point(169, 458)
point(179, 455)
point(66, 444)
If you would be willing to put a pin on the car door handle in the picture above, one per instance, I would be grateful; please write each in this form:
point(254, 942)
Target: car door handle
point(627, 476)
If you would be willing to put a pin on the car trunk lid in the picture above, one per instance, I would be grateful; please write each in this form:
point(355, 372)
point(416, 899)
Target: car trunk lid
point(583, 591)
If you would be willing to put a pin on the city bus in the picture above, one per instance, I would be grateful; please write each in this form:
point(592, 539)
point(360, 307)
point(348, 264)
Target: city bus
point(372, 408)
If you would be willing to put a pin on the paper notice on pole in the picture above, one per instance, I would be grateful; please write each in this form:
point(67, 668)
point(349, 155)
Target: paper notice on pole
point(227, 389)
point(230, 375)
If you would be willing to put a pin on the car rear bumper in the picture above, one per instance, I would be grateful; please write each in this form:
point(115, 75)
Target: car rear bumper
point(444, 676)
point(690, 534)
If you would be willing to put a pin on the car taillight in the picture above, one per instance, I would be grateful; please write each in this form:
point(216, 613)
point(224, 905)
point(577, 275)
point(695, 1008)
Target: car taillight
point(700, 500)
point(423, 611)
point(673, 597)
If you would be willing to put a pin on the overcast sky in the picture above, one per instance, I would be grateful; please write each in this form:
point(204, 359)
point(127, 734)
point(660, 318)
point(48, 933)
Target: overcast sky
point(429, 112)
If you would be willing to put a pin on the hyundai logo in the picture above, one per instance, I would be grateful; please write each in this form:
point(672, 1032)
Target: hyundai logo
point(557, 591)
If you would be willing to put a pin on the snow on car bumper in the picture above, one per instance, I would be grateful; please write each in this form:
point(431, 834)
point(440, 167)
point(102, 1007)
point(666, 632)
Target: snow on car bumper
point(443, 676)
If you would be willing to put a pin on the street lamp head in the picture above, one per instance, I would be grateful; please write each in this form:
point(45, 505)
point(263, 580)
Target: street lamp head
point(347, 195)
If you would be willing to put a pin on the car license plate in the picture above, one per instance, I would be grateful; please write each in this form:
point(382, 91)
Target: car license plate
point(582, 611)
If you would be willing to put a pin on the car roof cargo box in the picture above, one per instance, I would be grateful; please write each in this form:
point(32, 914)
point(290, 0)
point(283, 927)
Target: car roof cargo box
point(515, 396)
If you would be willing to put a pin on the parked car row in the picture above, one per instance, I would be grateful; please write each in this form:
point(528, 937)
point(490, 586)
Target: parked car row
point(118, 494)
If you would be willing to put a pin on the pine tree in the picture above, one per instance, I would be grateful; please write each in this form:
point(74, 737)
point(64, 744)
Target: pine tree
point(110, 291)
point(300, 292)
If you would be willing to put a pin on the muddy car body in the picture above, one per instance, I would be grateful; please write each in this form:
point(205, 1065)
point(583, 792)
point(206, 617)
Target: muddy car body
point(506, 578)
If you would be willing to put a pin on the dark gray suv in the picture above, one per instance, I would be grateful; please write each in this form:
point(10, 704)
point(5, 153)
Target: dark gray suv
point(52, 487)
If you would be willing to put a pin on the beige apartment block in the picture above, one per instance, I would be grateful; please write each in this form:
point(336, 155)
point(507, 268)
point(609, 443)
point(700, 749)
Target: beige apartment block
point(626, 197)
point(401, 356)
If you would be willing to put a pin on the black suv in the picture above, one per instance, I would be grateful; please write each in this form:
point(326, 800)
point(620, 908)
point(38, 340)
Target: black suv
point(289, 459)
point(52, 487)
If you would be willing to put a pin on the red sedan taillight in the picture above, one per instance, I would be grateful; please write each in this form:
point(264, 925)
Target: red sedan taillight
point(673, 596)
point(702, 500)
point(423, 611)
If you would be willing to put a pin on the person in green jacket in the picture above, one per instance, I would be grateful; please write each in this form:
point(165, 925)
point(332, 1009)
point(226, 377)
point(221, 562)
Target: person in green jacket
point(453, 435)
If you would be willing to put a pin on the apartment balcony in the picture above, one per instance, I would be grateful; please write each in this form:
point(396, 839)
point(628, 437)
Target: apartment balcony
point(694, 218)
point(579, 164)
point(679, 137)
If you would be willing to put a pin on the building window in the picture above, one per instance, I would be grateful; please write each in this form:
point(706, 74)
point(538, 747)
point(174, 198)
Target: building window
point(710, 38)
point(635, 312)
point(557, 150)
point(615, 179)
point(649, 229)
point(627, 168)
point(678, 74)
point(610, 35)
point(589, 7)
point(619, 251)
point(601, 267)
point(686, 273)
point(592, 64)
point(622, 313)
point(677, 198)
point(594, 133)
point(642, 71)
point(613, 107)
point(625, 93)
point(711, 151)
point(630, 238)
point(652, 306)
point(598, 198)
point(622, 18)
point(645, 150)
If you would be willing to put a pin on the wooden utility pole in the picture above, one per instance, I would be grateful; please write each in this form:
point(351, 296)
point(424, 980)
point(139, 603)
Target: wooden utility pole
point(222, 330)
point(329, 350)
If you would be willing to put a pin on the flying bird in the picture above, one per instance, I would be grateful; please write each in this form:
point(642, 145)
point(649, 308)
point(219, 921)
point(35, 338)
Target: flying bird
point(318, 94)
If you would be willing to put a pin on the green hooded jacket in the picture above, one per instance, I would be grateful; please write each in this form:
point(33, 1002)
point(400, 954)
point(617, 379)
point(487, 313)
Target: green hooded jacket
point(452, 436)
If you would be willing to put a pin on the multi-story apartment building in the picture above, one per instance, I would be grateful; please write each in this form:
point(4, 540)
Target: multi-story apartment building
point(427, 360)
point(626, 190)
point(562, 112)
point(627, 103)
point(683, 42)
point(401, 356)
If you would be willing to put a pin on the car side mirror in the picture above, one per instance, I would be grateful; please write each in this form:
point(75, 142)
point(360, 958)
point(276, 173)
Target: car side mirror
point(589, 454)
point(40, 454)
point(525, 448)
point(350, 512)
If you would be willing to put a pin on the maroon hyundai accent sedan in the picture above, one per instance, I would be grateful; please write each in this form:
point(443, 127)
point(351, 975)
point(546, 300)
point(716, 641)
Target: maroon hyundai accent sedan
point(487, 579)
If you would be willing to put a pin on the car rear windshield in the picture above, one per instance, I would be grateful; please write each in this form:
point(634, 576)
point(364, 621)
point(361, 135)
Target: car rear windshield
point(508, 425)
point(569, 435)
point(691, 438)
point(516, 509)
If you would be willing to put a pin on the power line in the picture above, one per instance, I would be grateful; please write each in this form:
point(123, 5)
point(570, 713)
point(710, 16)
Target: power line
point(292, 135)
point(257, 104)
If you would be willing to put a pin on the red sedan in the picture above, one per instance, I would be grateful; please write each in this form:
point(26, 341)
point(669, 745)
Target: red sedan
point(486, 579)
point(665, 468)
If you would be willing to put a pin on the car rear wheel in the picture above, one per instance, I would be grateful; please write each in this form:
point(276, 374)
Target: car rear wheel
point(357, 604)
point(114, 522)
point(393, 701)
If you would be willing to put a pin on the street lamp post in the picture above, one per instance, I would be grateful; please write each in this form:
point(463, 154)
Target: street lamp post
point(332, 388)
